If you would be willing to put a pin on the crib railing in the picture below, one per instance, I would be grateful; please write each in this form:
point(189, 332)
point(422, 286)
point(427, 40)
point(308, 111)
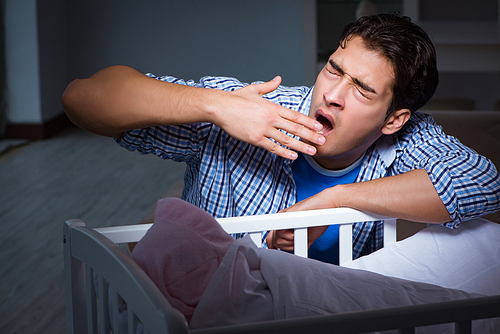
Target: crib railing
point(96, 268)
point(299, 221)
point(92, 260)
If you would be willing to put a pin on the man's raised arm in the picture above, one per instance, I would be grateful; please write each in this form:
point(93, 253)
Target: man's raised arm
point(119, 98)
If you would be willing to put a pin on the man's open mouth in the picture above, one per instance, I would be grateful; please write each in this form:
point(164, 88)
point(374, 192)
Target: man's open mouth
point(326, 122)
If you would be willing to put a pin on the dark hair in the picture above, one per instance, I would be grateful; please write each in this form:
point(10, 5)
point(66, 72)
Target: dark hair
point(410, 52)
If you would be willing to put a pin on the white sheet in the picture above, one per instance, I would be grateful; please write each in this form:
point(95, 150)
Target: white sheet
point(467, 258)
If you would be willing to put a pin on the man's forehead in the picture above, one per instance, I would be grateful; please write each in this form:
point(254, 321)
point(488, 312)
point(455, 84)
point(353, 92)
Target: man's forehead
point(363, 64)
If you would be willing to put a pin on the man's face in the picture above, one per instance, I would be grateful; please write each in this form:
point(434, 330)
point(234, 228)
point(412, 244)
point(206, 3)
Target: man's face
point(350, 98)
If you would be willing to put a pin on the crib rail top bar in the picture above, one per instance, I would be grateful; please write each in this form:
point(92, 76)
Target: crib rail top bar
point(124, 233)
point(299, 219)
point(276, 221)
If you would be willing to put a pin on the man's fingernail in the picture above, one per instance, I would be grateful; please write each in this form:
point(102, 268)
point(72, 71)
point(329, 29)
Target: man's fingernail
point(321, 140)
point(293, 155)
point(311, 150)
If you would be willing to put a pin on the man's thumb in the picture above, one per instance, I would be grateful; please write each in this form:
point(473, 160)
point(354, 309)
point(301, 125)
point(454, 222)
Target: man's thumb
point(268, 87)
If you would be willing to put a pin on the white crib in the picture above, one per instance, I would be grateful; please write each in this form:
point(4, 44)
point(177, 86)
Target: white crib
point(91, 253)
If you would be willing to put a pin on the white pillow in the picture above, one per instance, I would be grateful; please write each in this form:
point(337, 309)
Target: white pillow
point(467, 258)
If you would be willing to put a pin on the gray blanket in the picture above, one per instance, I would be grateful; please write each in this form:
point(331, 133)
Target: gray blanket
point(255, 284)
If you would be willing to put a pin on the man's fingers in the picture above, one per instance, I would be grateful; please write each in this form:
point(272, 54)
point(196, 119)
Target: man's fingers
point(283, 239)
point(297, 118)
point(279, 150)
point(301, 126)
point(290, 146)
point(269, 119)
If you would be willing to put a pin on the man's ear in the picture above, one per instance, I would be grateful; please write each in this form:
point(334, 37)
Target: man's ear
point(395, 121)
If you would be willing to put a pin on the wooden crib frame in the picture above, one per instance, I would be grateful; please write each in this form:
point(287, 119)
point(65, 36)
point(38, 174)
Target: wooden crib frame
point(93, 255)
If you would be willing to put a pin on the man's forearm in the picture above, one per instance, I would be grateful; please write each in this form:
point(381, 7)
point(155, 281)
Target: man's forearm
point(410, 196)
point(119, 98)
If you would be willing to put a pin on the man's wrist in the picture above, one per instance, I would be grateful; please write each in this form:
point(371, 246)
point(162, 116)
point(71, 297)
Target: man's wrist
point(212, 106)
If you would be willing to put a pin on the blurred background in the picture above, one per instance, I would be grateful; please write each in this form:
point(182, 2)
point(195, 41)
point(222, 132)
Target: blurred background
point(51, 171)
point(47, 43)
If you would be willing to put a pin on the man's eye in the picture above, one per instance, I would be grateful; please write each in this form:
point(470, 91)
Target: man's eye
point(363, 94)
point(332, 71)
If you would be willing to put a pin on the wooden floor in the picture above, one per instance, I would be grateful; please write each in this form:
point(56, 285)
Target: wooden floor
point(73, 175)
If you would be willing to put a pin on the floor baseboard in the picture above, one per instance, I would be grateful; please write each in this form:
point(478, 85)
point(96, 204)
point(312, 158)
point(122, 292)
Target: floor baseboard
point(37, 131)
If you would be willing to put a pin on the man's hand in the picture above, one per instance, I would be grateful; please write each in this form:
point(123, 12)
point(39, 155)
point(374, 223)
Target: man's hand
point(283, 239)
point(250, 118)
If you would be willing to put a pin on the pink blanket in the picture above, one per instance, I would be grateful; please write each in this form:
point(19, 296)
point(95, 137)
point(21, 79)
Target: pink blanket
point(181, 252)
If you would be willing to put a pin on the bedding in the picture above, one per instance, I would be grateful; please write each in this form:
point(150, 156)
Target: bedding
point(255, 284)
point(240, 283)
point(466, 258)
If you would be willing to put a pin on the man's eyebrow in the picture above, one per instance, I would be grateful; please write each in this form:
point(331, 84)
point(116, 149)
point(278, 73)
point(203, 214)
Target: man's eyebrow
point(336, 66)
point(358, 82)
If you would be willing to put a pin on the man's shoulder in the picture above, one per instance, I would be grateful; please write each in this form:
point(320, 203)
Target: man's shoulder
point(419, 126)
point(419, 118)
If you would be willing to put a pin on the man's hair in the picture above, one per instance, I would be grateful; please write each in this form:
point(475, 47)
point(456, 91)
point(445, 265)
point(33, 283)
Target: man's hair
point(408, 49)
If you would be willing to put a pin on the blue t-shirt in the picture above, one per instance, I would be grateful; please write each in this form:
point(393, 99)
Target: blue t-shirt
point(311, 179)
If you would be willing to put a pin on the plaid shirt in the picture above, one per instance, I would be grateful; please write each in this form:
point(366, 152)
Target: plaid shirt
point(227, 177)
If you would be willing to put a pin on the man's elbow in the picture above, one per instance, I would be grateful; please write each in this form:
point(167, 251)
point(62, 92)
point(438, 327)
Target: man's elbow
point(71, 100)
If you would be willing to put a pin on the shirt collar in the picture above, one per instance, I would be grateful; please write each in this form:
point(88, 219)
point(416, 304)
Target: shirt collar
point(386, 147)
point(332, 173)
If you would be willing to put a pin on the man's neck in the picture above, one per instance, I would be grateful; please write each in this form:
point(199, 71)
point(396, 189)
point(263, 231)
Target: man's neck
point(331, 172)
point(337, 163)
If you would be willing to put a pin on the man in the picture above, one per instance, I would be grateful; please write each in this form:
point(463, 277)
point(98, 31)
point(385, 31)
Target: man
point(363, 123)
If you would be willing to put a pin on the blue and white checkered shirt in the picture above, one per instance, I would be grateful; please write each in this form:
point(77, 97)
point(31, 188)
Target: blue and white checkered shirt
point(227, 177)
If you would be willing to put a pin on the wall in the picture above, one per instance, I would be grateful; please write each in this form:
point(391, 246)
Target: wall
point(466, 35)
point(53, 54)
point(2, 69)
point(22, 64)
point(252, 40)
point(51, 42)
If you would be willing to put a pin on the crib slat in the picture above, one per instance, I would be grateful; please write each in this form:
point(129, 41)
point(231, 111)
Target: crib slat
point(103, 305)
point(389, 231)
point(300, 241)
point(345, 244)
point(132, 321)
point(74, 281)
point(256, 238)
point(91, 300)
point(114, 299)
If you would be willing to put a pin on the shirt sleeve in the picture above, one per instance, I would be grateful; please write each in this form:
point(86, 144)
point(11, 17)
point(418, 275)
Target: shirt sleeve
point(180, 143)
point(177, 142)
point(467, 183)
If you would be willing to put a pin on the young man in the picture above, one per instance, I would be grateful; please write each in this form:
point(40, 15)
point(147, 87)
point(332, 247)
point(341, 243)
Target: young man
point(364, 138)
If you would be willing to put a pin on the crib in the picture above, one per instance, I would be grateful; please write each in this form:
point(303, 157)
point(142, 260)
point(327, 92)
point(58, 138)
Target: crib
point(94, 262)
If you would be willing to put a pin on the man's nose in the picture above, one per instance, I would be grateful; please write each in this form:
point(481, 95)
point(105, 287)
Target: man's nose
point(335, 95)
